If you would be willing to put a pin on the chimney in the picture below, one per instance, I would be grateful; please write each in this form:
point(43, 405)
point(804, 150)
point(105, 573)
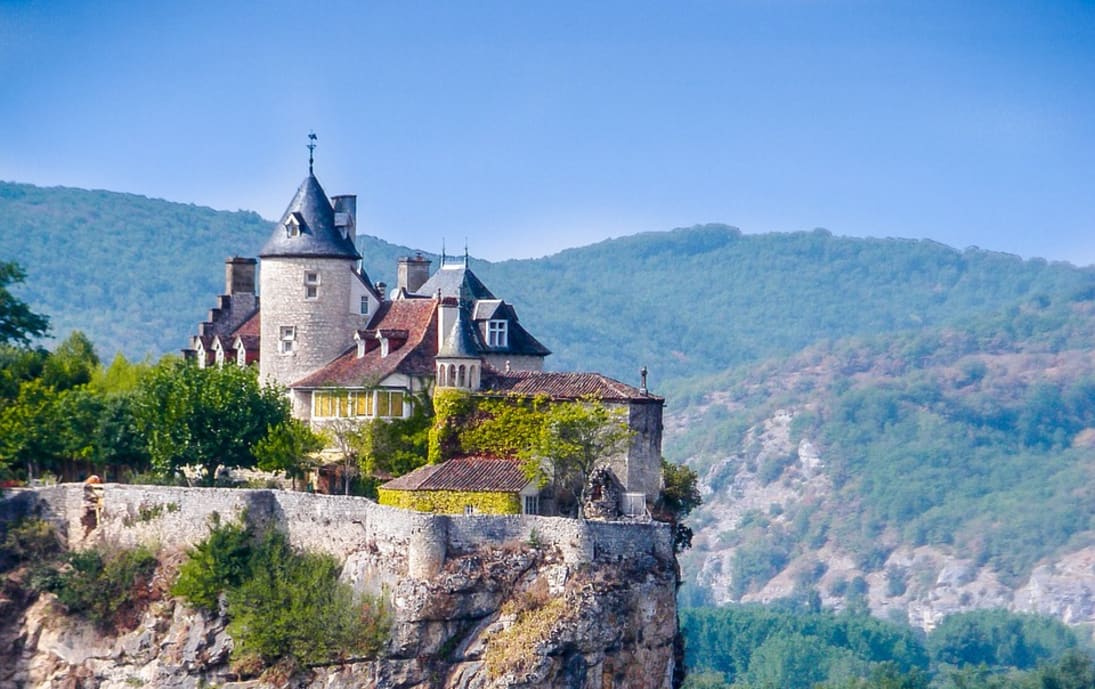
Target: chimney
point(239, 275)
point(380, 287)
point(346, 216)
point(413, 272)
point(642, 384)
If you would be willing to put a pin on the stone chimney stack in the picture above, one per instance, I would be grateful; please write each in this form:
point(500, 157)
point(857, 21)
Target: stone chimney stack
point(346, 216)
point(239, 275)
point(413, 272)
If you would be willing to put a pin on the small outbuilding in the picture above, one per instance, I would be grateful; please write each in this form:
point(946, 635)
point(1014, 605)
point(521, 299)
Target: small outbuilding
point(465, 485)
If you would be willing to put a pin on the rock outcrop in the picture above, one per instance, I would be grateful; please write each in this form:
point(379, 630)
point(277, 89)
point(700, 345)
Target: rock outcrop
point(477, 602)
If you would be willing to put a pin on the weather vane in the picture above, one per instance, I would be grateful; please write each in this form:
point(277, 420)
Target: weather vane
point(311, 149)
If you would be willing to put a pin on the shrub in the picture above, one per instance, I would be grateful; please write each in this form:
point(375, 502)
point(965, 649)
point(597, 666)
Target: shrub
point(293, 608)
point(214, 566)
point(103, 587)
point(31, 541)
point(285, 608)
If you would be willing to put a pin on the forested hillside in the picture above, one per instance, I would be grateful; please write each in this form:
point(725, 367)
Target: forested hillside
point(136, 274)
point(888, 419)
point(867, 466)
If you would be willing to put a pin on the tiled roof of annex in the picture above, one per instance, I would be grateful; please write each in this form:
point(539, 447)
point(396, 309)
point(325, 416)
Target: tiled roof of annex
point(489, 474)
point(414, 356)
point(563, 385)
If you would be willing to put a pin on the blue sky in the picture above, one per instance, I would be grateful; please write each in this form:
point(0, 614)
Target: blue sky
point(530, 127)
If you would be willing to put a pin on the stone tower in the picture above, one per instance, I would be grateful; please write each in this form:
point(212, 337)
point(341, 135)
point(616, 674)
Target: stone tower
point(313, 301)
point(458, 363)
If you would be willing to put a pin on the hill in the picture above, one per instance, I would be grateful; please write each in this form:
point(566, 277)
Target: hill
point(923, 473)
point(880, 419)
point(137, 274)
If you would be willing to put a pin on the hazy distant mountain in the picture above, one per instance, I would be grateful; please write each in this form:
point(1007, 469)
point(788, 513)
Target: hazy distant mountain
point(886, 418)
point(136, 274)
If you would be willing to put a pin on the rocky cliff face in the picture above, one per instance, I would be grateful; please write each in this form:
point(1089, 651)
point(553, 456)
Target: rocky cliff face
point(500, 612)
point(774, 477)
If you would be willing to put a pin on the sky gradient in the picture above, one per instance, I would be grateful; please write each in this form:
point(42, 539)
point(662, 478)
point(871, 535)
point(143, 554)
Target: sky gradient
point(529, 127)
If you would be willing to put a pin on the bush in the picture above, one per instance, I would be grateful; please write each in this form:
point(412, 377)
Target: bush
point(285, 608)
point(293, 608)
point(214, 566)
point(32, 541)
point(104, 588)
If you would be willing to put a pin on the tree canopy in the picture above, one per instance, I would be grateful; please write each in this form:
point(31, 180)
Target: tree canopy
point(205, 417)
point(18, 324)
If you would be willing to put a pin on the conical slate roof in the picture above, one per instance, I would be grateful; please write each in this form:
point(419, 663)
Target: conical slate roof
point(459, 343)
point(311, 210)
point(456, 281)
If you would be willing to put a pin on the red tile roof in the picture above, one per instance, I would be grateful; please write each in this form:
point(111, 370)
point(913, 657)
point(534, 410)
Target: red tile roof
point(465, 474)
point(560, 385)
point(250, 327)
point(417, 317)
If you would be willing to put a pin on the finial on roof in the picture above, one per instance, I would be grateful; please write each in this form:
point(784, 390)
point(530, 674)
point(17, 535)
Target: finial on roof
point(442, 252)
point(311, 149)
point(465, 252)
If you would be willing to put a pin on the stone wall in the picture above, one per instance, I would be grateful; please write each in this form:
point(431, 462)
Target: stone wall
point(603, 594)
point(412, 543)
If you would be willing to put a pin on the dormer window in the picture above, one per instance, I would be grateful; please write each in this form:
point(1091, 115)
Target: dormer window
point(293, 223)
point(497, 333)
point(311, 284)
point(287, 337)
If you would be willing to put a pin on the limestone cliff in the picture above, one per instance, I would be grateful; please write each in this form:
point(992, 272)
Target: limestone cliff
point(477, 602)
point(935, 581)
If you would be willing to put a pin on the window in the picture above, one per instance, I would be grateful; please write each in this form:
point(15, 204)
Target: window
point(532, 504)
point(241, 356)
point(311, 284)
point(287, 336)
point(364, 305)
point(389, 403)
point(469, 510)
point(367, 403)
point(497, 333)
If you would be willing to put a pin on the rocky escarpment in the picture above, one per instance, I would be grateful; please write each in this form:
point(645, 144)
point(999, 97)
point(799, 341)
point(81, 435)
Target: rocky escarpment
point(784, 484)
point(478, 602)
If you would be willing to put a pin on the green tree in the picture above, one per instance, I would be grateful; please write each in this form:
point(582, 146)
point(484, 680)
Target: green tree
point(72, 363)
point(18, 324)
point(208, 418)
point(393, 447)
point(28, 429)
point(286, 447)
point(680, 495)
point(574, 438)
point(293, 607)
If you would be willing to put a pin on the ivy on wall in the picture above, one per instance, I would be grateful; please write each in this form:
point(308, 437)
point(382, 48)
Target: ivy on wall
point(451, 501)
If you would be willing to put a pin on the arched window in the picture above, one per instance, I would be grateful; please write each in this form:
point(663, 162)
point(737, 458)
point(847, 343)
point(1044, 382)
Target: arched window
point(461, 379)
point(452, 374)
point(441, 375)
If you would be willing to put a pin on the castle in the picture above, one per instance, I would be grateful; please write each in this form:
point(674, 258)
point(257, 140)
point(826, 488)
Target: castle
point(346, 348)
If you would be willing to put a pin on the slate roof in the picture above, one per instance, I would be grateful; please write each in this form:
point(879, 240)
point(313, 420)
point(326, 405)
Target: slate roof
point(518, 340)
point(318, 235)
point(455, 280)
point(565, 386)
point(465, 474)
point(416, 317)
point(459, 343)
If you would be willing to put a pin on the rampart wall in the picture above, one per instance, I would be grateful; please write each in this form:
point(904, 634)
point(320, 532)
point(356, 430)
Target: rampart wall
point(409, 543)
